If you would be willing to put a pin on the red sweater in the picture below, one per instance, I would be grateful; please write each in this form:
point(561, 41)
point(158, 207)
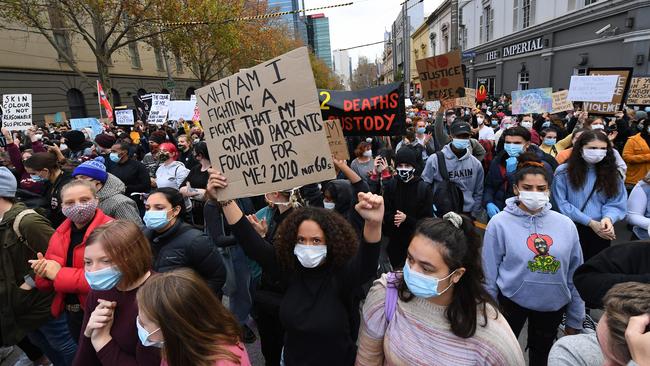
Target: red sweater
point(69, 280)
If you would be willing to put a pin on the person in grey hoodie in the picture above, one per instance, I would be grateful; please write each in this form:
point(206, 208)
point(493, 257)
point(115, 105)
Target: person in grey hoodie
point(530, 254)
point(464, 169)
point(110, 191)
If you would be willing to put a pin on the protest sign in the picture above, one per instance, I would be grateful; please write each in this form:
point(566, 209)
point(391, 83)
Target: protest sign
point(639, 92)
point(159, 109)
point(55, 119)
point(615, 103)
point(408, 103)
point(592, 88)
point(263, 127)
point(142, 106)
point(376, 111)
point(442, 76)
point(432, 106)
point(469, 100)
point(532, 101)
point(92, 125)
point(560, 102)
point(124, 117)
point(448, 104)
point(481, 89)
point(336, 139)
point(181, 109)
point(17, 115)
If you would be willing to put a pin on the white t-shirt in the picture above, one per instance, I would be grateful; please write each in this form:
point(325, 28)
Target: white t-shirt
point(486, 133)
point(172, 175)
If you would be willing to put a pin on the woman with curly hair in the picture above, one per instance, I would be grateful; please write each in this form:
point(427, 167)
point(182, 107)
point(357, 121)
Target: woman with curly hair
point(180, 313)
point(436, 311)
point(588, 190)
point(317, 255)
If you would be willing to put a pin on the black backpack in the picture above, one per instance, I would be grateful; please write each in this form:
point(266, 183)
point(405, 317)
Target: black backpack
point(447, 196)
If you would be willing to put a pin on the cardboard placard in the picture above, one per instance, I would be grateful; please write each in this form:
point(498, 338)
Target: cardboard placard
point(561, 102)
point(124, 117)
point(92, 125)
point(181, 109)
point(264, 129)
point(375, 111)
point(615, 104)
point(532, 101)
point(442, 76)
point(17, 111)
point(639, 93)
point(448, 104)
point(592, 88)
point(159, 109)
point(336, 139)
point(56, 119)
point(469, 100)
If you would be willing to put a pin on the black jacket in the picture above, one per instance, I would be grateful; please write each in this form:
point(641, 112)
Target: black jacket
point(184, 246)
point(133, 174)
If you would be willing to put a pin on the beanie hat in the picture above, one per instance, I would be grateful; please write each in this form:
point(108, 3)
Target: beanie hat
point(406, 155)
point(105, 141)
point(158, 137)
point(94, 169)
point(74, 139)
point(8, 183)
point(641, 115)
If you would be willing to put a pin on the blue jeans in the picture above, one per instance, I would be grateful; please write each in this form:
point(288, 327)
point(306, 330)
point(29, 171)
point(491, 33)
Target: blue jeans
point(54, 339)
point(240, 299)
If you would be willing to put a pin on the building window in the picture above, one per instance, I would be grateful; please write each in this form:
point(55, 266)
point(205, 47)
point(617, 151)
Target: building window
point(76, 104)
point(179, 64)
point(589, 2)
point(135, 55)
point(463, 37)
point(432, 38)
point(524, 79)
point(445, 40)
point(117, 99)
point(580, 71)
point(480, 29)
point(189, 92)
point(59, 34)
point(526, 10)
point(160, 63)
point(489, 23)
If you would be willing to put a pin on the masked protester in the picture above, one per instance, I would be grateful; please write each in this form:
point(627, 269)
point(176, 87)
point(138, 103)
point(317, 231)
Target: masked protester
point(408, 199)
point(590, 193)
point(186, 152)
point(486, 130)
point(316, 253)
point(527, 123)
point(363, 163)
point(61, 270)
point(436, 311)
point(117, 262)
point(531, 253)
point(44, 167)
point(549, 141)
point(171, 173)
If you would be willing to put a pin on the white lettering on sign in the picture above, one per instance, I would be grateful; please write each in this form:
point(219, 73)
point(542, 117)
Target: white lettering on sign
point(492, 55)
point(523, 47)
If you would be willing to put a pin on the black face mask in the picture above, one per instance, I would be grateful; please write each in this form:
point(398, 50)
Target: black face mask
point(405, 174)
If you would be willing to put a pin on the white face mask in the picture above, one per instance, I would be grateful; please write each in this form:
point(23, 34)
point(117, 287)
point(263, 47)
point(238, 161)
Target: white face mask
point(527, 125)
point(479, 120)
point(597, 127)
point(533, 200)
point(310, 256)
point(593, 156)
point(367, 153)
point(329, 205)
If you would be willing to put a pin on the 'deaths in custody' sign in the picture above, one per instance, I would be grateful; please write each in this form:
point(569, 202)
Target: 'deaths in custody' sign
point(17, 111)
point(264, 129)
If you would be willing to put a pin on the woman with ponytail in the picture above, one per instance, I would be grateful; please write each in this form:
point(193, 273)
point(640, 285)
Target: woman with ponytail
point(529, 255)
point(436, 311)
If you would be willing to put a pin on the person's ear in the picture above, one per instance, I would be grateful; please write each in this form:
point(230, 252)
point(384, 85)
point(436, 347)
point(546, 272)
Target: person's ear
point(176, 211)
point(458, 274)
point(515, 190)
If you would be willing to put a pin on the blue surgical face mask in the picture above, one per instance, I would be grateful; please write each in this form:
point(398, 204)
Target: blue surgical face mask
point(494, 123)
point(422, 285)
point(144, 335)
point(546, 124)
point(37, 178)
point(115, 157)
point(460, 144)
point(421, 130)
point(155, 219)
point(103, 279)
point(550, 142)
point(513, 150)
point(329, 205)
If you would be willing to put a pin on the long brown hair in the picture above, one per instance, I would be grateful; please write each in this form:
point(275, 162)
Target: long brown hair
point(195, 325)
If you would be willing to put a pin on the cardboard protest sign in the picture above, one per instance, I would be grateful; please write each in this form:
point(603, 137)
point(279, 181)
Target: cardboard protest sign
point(92, 125)
point(639, 93)
point(264, 129)
point(124, 117)
point(17, 111)
point(442, 76)
point(368, 112)
point(560, 102)
point(336, 139)
point(448, 104)
point(55, 119)
point(181, 109)
point(469, 100)
point(159, 109)
point(615, 104)
point(532, 101)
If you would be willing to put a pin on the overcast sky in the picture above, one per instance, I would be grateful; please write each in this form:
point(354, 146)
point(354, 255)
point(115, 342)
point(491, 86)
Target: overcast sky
point(362, 22)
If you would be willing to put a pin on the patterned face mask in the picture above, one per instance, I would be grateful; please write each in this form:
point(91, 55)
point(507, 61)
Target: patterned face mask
point(80, 213)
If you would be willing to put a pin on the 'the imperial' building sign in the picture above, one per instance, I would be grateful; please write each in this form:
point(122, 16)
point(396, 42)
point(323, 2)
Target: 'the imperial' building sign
point(520, 48)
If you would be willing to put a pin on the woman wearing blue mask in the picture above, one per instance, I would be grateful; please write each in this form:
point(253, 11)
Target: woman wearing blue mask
point(117, 262)
point(436, 311)
point(317, 256)
point(549, 140)
point(177, 244)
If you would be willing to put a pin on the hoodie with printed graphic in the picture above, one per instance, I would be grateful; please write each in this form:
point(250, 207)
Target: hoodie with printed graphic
point(531, 259)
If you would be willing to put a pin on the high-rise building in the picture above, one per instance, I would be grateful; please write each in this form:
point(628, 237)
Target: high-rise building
point(342, 67)
point(318, 29)
point(292, 21)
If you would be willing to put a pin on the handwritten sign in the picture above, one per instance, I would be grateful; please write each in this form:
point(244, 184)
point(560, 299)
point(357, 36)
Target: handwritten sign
point(639, 92)
point(448, 104)
point(264, 129)
point(432, 106)
point(560, 102)
point(92, 125)
point(368, 112)
point(17, 115)
point(532, 101)
point(615, 103)
point(592, 88)
point(469, 100)
point(159, 109)
point(336, 139)
point(181, 109)
point(442, 76)
point(124, 117)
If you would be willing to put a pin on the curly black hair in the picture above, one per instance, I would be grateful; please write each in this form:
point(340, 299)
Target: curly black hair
point(340, 237)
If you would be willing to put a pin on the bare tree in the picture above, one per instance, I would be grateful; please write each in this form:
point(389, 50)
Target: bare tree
point(365, 75)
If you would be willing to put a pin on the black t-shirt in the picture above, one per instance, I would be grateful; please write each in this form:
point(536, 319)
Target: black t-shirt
point(76, 238)
point(197, 178)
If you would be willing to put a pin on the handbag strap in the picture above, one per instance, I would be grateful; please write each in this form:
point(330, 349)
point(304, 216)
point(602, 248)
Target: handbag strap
point(593, 189)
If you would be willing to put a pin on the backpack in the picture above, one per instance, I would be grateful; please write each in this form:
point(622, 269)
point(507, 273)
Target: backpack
point(16, 226)
point(447, 196)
